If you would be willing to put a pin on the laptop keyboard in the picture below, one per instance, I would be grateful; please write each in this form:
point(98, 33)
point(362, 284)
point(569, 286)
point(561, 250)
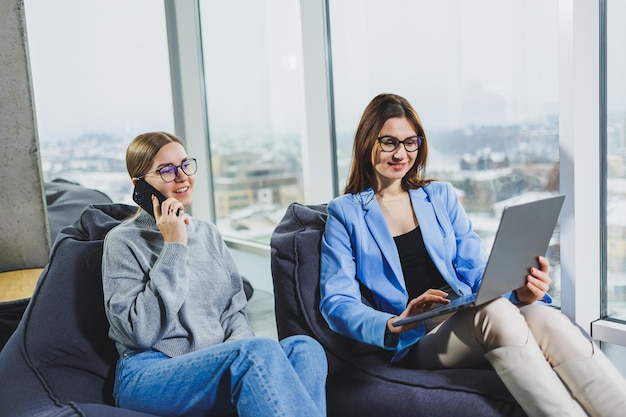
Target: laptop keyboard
point(464, 299)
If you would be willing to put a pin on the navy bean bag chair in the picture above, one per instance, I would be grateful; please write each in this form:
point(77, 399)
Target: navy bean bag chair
point(64, 201)
point(60, 362)
point(361, 380)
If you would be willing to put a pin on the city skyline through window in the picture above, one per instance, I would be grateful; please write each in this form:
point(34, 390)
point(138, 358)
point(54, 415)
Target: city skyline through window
point(484, 84)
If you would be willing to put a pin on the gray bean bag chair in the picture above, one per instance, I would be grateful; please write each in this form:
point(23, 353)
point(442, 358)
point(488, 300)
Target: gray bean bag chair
point(65, 201)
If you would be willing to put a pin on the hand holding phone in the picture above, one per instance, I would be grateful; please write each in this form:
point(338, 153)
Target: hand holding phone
point(173, 231)
point(142, 195)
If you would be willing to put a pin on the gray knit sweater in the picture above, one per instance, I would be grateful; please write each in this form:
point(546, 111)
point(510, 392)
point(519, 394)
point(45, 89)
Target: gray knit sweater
point(167, 296)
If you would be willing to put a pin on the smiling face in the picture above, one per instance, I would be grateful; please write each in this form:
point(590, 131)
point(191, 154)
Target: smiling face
point(182, 187)
point(393, 166)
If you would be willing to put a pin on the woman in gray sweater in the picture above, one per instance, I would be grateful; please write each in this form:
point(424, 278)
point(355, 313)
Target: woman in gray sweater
point(175, 305)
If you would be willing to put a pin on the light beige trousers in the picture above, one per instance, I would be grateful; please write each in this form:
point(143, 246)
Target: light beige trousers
point(461, 340)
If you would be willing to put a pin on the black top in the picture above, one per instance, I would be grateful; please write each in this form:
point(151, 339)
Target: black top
point(420, 273)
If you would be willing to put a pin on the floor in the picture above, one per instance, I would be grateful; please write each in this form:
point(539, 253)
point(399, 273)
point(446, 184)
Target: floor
point(260, 312)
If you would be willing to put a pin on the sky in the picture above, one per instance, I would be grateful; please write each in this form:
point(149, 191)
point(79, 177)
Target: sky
point(99, 66)
point(102, 66)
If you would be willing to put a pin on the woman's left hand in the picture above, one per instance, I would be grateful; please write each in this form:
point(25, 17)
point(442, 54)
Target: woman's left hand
point(537, 283)
point(171, 219)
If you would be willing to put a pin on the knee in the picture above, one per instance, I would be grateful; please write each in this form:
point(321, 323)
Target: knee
point(559, 338)
point(259, 350)
point(306, 356)
point(501, 324)
point(302, 345)
point(543, 319)
point(260, 343)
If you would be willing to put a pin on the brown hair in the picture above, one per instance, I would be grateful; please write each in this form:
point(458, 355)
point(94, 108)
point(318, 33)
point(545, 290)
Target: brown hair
point(142, 150)
point(362, 173)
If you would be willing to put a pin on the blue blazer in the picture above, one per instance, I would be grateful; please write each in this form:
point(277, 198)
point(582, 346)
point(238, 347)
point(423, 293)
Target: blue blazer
point(358, 249)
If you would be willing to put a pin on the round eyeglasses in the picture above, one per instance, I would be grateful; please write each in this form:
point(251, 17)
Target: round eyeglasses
point(169, 172)
point(390, 144)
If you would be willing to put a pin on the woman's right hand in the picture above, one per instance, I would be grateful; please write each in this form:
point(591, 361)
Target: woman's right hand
point(418, 305)
point(172, 226)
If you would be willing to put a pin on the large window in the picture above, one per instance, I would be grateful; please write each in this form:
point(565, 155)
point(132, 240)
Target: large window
point(615, 303)
point(253, 77)
point(483, 76)
point(101, 76)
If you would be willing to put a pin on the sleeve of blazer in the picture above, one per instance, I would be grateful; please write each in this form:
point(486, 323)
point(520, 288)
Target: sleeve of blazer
point(341, 303)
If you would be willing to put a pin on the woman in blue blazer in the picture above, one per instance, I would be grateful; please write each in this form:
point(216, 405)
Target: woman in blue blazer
point(397, 243)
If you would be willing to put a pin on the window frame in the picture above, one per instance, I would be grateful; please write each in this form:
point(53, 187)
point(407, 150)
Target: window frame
point(582, 172)
point(605, 329)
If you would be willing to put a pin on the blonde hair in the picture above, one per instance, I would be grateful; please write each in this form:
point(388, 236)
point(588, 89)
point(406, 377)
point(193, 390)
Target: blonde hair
point(142, 150)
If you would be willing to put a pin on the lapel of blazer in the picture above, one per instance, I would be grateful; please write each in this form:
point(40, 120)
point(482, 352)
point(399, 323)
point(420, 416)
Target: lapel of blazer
point(375, 221)
point(429, 225)
point(434, 233)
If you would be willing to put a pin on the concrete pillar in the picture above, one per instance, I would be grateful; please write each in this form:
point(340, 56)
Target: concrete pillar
point(24, 236)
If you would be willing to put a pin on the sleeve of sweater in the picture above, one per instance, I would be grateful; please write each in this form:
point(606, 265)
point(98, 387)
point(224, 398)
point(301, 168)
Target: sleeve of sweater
point(141, 300)
point(234, 319)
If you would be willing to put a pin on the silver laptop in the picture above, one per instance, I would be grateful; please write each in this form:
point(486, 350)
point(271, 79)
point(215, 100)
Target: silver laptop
point(523, 234)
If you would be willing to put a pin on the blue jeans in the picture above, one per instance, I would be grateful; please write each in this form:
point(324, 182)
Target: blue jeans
point(255, 376)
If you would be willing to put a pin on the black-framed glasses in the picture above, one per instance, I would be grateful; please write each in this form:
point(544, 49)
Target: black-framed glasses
point(169, 172)
point(390, 144)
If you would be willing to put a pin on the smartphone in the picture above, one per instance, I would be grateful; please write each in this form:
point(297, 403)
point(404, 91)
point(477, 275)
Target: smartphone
point(142, 195)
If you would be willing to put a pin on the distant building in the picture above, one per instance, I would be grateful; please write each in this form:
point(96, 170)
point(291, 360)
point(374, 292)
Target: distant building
point(484, 159)
point(241, 180)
